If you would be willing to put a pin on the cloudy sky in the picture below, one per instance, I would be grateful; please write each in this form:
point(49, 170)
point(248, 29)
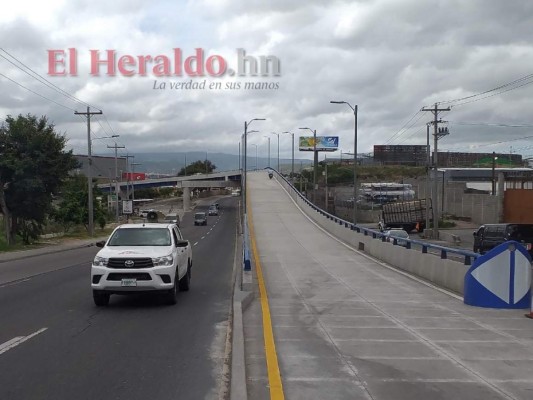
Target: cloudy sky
point(390, 57)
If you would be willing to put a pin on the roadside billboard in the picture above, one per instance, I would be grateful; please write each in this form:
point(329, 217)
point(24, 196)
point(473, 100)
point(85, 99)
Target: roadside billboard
point(323, 143)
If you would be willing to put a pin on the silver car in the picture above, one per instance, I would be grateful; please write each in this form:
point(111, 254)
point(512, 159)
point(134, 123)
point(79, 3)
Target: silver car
point(399, 234)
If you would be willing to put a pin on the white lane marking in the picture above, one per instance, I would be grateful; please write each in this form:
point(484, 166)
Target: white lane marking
point(18, 340)
point(203, 237)
point(208, 233)
point(195, 244)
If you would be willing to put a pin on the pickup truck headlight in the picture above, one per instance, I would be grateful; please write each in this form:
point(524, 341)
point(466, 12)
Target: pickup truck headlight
point(165, 261)
point(100, 261)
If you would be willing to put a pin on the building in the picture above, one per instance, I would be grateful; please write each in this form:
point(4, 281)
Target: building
point(416, 155)
point(103, 168)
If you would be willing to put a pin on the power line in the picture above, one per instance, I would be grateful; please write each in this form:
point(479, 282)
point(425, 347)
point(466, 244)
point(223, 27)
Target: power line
point(526, 77)
point(41, 79)
point(490, 124)
point(40, 95)
point(389, 140)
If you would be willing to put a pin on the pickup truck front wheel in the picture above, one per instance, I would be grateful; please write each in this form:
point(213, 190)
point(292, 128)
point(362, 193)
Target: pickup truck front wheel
point(171, 296)
point(185, 281)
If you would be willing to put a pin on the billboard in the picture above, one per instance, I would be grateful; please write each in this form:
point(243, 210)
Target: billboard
point(323, 143)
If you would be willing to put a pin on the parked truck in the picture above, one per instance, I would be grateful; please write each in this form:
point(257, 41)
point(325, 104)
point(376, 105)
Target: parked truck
point(407, 215)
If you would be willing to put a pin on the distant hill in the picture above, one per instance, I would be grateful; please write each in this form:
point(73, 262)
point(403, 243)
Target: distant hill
point(172, 163)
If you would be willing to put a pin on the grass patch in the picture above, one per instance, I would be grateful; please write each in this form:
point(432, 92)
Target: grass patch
point(77, 233)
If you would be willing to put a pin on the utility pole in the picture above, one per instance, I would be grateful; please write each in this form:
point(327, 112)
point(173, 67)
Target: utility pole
point(428, 168)
point(133, 183)
point(326, 179)
point(128, 179)
point(494, 158)
point(88, 114)
point(116, 147)
point(436, 136)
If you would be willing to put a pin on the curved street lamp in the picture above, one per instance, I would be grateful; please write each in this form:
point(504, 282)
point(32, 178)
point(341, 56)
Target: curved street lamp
point(315, 161)
point(292, 166)
point(246, 124)
point(277, 134)
point(354, 109)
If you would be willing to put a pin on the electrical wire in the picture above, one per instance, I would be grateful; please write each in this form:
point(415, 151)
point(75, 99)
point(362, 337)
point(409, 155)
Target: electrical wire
point(403, 127)
point(40, 95)
point(489, 124)
point(526, 77)
point(41, 79)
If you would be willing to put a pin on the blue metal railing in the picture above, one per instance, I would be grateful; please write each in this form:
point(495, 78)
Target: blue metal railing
point(468, 255)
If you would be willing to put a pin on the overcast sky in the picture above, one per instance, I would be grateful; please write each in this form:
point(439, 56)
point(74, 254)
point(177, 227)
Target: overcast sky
point(390, 57)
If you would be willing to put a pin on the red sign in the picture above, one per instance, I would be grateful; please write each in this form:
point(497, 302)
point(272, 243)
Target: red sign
point(134, 176)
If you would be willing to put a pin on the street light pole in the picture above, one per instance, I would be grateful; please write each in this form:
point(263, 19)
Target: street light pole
point(268, 137)
point(292, 166)
point(246, 124)
point(315, 163)
point(277, 134)
point(354, 109)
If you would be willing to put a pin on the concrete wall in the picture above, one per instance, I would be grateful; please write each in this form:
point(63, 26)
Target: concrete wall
point(446, 273)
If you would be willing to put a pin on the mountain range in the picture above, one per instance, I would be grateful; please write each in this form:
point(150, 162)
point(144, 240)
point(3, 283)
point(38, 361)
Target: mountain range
point(172, 163)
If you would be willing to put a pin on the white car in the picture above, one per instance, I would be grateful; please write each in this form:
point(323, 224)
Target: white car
point(141, 258)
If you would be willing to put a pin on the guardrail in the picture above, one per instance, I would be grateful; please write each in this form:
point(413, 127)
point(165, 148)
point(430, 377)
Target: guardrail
point(469, 256)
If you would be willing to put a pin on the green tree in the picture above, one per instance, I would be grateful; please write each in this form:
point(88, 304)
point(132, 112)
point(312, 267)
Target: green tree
point(198, 167)
point(33, 165)
point(72, 208)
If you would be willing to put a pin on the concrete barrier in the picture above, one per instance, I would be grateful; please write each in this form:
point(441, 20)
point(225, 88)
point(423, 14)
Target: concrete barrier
point(446, 273)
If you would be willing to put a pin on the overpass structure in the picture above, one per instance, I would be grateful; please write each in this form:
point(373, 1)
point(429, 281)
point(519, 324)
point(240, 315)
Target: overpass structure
point(340, 314)
point(220, 179)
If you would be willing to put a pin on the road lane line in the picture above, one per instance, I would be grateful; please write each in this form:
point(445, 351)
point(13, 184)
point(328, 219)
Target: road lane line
point(195, 244)
point(203, 237)
point(18, 340)
point(7, 345)
point(274, 377)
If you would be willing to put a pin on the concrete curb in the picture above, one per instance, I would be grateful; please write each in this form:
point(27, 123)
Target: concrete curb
point(238, 388)
point(22, 254)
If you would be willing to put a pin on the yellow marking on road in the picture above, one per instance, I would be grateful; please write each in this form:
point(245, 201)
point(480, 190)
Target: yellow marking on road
point(274, 377)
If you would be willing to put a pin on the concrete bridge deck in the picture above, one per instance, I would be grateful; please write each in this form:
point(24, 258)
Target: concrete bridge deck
point(347, 326)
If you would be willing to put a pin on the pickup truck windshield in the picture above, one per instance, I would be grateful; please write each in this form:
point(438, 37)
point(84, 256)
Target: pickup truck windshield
point(140, 237)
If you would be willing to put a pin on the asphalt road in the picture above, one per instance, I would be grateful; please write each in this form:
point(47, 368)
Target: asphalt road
point(55, 344)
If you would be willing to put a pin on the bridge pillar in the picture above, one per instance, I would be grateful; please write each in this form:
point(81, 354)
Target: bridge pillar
point(186, 198)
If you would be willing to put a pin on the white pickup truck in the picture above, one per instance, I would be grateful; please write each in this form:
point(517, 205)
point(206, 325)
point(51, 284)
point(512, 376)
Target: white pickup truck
point(140, 258)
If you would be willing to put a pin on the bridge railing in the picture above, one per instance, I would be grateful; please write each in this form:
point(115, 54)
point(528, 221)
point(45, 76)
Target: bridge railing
point(444, 251)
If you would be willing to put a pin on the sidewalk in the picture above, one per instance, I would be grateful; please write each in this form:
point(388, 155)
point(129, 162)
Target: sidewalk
point(68, 244)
